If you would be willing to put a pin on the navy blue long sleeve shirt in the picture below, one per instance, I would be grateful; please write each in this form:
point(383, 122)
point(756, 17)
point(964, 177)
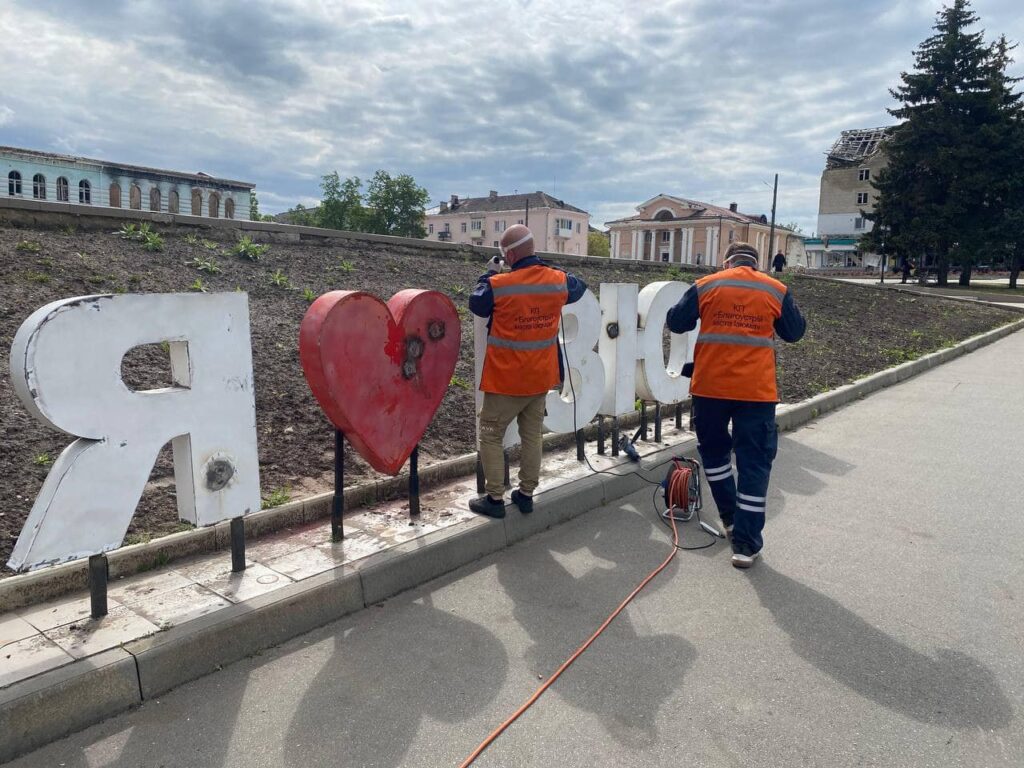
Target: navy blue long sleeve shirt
point(790, 325)
point(481, 301)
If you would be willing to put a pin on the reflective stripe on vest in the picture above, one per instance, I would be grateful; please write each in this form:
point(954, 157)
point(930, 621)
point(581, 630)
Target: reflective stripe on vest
point(494, 341)
point(523, 290)
point(729, 338)
point(748, 284)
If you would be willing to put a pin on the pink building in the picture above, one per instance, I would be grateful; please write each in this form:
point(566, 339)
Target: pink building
point(557, 226)
point(677, 230)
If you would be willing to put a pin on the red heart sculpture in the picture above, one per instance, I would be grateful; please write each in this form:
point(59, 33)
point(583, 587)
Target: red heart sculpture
point(380, 370)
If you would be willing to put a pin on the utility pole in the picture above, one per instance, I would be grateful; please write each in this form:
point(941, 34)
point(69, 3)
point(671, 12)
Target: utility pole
point(771, 229)
point(527, 211)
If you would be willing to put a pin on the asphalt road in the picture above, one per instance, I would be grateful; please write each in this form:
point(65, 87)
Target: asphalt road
point(883, 626)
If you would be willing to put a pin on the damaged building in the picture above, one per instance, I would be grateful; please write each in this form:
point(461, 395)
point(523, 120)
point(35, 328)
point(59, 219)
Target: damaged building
point(846, 195)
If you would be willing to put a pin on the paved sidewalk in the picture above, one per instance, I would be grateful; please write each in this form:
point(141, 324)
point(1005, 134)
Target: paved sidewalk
point(882, 628)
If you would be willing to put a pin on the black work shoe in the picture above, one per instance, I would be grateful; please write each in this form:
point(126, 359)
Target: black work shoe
point(488, 507)
point(521, 500)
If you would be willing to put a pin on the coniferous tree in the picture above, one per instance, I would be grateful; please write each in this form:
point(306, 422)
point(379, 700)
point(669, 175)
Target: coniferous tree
point(939, 197)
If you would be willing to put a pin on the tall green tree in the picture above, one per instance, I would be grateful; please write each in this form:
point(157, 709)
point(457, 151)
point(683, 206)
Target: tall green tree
point(254, 206)
point(341, 206)
point(597, 244)
point(938, 197)
point(396, 205)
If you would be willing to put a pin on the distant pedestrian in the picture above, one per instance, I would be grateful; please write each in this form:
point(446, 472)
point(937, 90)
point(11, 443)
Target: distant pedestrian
point(779, 262)
point(905, 269)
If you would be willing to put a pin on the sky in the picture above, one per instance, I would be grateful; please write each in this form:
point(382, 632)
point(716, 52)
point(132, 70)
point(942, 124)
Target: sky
point(602, 103)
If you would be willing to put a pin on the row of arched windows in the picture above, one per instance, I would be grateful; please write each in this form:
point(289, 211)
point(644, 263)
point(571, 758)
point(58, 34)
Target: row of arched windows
point(134, 196)
point(39, 188)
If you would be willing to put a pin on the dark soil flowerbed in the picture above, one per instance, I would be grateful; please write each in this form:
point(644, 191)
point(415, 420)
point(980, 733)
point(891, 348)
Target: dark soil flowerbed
point(853, 331)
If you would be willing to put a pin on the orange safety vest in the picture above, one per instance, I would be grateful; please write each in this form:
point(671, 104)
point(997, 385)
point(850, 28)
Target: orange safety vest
point(735, 354)
point(522, 346)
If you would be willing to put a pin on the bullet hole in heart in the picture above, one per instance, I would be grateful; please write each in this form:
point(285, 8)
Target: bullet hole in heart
point(218, 474)
point(409, 369)
point(413, 348)
point(436, 330)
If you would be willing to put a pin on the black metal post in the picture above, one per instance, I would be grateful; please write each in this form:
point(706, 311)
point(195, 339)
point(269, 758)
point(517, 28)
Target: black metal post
point(508, 480)
point(338, 505)
point(580, 446)
point(237, 544)
point(600, 435)
point(98, 575)
point(679, 415)
point(479, 474)
point(643, 421)
point(615, 435)
point(657, 422)
point(414, 482)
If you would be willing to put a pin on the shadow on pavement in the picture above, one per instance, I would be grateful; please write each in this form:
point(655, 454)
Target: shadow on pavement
point(369, 714)
point(564, 592)
point(950, 689)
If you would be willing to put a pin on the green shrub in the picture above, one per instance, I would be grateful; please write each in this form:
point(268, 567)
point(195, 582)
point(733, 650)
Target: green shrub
point(247, 249)
point(29, 246)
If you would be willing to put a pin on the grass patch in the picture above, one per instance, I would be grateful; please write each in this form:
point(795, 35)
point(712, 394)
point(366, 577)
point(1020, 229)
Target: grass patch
point(28, 246)
point(276, 498)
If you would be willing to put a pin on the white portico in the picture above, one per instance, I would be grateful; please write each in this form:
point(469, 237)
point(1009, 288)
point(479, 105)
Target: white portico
point(679, 231)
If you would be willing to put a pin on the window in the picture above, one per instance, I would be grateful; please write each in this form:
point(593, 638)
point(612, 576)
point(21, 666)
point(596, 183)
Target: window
point(430, 229)
point(563, 224)
point(664, 255)
point(519, 222)
point(135, 197)
point(577, 230)
point(62, 189)
point(463, 226)
point(13, 183)
point(858, 223)
point(229, 208)
point(477, 226)
point(862, 198)
point(495, 243)
point(448, 227)
point(499, 227)
point(84, 192)
point(213, 207)
point(731, 233)
point(154, 199)
point(115, 195)
point(864, 174)
point(666, 236)
point(197, 202)
point(39, 187)
point(172, 201)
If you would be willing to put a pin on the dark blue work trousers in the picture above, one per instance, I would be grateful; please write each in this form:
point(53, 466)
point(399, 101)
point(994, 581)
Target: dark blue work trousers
point(741, 499)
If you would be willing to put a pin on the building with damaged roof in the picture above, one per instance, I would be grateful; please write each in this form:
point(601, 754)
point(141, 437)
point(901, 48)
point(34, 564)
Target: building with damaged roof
point(854, 161)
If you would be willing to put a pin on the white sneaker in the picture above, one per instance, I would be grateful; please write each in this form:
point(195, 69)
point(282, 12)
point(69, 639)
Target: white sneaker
point(739, 560)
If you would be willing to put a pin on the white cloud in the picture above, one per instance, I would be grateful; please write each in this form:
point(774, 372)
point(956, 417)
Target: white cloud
point(603, 103)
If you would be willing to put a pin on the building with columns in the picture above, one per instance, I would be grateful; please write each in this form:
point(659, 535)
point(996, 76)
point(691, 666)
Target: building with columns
point(557, 226)
point(50, 177)
point(680, 231)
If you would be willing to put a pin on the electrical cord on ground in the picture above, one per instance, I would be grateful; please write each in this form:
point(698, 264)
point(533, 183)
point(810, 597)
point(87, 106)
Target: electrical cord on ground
point(677, 495)
point(577, 653)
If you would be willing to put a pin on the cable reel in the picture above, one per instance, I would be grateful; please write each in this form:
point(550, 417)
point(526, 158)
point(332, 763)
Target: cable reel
point(682, 490)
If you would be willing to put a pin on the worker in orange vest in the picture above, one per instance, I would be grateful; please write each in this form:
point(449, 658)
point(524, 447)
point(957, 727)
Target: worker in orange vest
point(733, 380)
point(522, 363)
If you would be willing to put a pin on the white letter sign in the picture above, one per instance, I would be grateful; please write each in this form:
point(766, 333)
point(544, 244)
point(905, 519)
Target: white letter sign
point(66, 369)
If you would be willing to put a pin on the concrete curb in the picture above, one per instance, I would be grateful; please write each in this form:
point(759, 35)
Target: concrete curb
point(51, 705)
point(911, 291)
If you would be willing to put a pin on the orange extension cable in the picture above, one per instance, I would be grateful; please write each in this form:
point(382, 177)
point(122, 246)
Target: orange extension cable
point(678, 497)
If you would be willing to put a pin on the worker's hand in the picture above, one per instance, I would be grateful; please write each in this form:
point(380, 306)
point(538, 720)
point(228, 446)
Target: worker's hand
point(495, 264)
